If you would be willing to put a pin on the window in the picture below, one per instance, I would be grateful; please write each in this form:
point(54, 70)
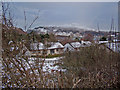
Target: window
point(52, 51)
point(57, 50)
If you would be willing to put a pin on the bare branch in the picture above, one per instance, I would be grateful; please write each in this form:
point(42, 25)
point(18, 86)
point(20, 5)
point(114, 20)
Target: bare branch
point(33, 22)
point(76, 83)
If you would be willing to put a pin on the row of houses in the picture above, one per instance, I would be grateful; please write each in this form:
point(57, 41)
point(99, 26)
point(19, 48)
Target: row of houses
point(52, 48)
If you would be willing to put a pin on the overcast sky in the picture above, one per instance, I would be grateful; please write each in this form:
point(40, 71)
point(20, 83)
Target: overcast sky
point(63, 0)
point(85, 15)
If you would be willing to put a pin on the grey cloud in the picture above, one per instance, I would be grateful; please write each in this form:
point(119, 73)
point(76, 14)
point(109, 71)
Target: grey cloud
point(85, 14)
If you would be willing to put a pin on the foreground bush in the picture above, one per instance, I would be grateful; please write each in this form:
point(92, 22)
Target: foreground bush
point(95, 66)
point(91, 67)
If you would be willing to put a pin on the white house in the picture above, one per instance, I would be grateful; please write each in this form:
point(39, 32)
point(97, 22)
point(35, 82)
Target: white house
point(37, 48)
point(50, 48)
point(76, 45)
point(55, 48)
point(68, 47)
point(72, 46)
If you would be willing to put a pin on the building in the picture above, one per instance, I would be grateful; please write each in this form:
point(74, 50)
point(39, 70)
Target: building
point(72, 46)
point(51, 48)
point(55, 48)
point(68, 47)
point(75, 46)
point(37, 48)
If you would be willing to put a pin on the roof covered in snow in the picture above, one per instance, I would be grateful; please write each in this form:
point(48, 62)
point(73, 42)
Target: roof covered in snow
point(56, 45)
point(76, 44)
point(103, 42)
point(85, 42)
point(68, 47)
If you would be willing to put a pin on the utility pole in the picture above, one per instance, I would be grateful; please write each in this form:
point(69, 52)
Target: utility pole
point(116, 48)
point(113, 34)
point(98, 30)
point(111, 28)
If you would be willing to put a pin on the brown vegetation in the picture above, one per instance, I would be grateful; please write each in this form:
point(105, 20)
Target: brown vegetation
point(91, 67)
point(94, 66)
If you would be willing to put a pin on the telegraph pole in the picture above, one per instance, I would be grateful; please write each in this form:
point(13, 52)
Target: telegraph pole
point(111, 28)
point(115, 41)
point(98, 29)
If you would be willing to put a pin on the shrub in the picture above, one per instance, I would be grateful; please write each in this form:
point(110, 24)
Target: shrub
point(94, 66)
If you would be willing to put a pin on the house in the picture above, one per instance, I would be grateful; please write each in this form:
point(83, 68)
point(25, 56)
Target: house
point(50, 48)
point(72, 46)
point(68, 47)
point(37, 48)
point(55, 48)
point(76, 45)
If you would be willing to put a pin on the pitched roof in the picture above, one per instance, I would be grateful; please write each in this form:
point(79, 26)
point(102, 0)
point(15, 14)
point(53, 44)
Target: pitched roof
point(69, 47)
point(56, 45)
point(76, 44)
point(41, 46)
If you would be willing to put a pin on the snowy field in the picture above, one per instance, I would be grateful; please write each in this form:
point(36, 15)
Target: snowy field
point(49, 63)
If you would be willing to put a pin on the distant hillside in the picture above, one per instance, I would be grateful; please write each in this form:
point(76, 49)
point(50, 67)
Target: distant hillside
point(53, 29)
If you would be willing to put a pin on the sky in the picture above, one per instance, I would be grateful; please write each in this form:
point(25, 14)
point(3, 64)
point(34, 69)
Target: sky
point(79, 14)
point(63, 0)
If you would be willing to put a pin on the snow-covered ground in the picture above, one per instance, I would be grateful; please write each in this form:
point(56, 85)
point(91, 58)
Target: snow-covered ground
point(49, 63)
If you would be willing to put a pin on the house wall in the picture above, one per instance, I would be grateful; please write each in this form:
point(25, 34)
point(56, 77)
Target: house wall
point(48, 52)
point(40, 52)
point(56, 51)
point(34, 53)
point(59, 51)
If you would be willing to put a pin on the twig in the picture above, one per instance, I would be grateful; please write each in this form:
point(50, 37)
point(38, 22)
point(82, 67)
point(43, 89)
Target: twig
point(76, 83)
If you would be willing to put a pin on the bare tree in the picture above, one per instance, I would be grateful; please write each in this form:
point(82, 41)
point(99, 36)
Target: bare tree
point(7, 16)
point(26, 27)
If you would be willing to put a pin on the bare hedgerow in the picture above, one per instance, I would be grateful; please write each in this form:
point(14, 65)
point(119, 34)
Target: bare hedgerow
point(95, 67)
